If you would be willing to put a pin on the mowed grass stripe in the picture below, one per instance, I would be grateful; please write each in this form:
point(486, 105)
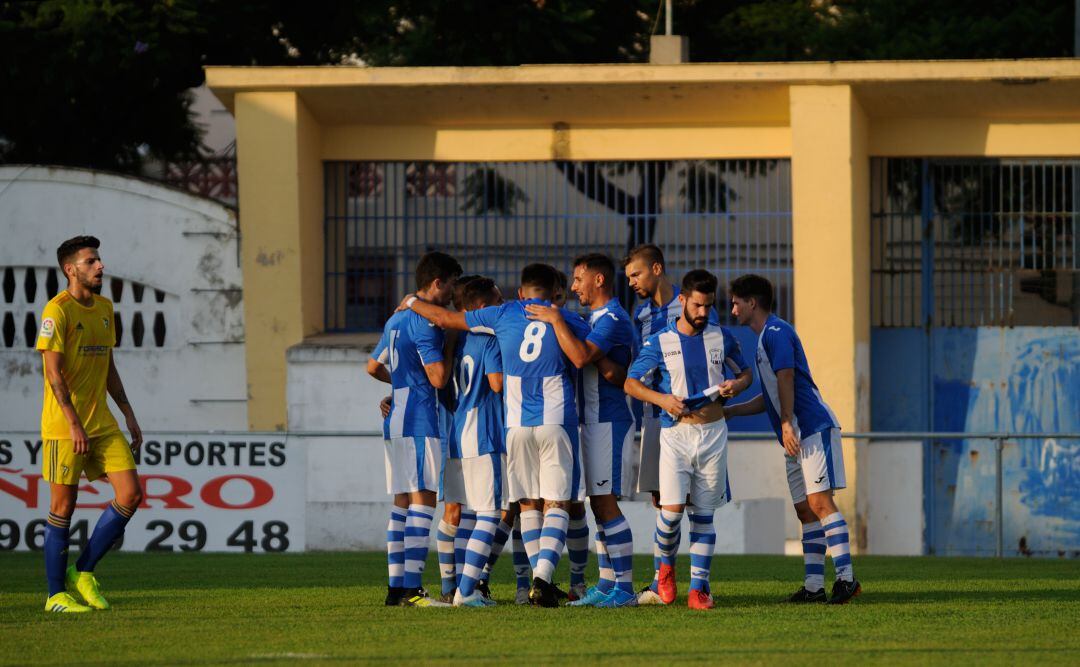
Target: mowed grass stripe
point(327, 607)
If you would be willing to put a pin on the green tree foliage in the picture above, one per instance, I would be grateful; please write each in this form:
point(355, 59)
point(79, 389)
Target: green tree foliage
point(96, 82)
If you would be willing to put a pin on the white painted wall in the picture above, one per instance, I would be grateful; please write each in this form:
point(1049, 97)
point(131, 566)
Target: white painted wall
point(894, 512)
point(153, 236)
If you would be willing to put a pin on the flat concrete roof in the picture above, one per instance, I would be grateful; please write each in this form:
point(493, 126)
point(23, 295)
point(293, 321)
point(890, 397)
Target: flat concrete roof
point(690, 93)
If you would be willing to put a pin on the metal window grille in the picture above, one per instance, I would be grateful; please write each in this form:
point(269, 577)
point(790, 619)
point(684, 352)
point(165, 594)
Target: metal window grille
point(727, 216)
point(982, 242)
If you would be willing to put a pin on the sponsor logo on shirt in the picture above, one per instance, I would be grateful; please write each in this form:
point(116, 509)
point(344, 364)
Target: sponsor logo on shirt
point(774, 328)
point(672, 353)
point(48, 328)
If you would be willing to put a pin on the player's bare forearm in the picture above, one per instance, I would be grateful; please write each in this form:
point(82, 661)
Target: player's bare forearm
point(439, 316)
point(378, 371)
point(580, 353)
point(785, 386)
point(754, 406)
point(611, 371)
point(115, 386)
point(636, 389)
point(54, 361)
point(438, 373)
point(495, 381)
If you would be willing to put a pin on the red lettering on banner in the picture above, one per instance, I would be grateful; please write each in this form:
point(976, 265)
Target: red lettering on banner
point(29, 495)
point(211, 492)
point(172, 498)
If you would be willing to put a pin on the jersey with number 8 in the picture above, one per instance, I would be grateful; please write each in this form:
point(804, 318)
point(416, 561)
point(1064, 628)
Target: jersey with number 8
point(539, 380)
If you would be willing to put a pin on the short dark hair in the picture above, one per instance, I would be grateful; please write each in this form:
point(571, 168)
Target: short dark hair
point(753, 286)
point(599, 262)
point(436, 265)
point(540, 276)
point(699, 280)
point(478, 291)
point(647, 251)
point(68, 248)
point(459, 290)
point(561, 281)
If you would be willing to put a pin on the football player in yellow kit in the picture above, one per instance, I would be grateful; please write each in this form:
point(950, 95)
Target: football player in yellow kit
point(78, 432)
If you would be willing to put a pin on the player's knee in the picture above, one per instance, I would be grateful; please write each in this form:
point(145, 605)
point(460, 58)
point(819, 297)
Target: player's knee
point(805, 513)
point(452, 513)
point(557, 504)
point(822, 505)
point(130, 498)
point(62, 507)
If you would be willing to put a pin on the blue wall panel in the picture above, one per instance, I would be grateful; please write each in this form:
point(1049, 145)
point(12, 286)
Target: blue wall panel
point(989, 379)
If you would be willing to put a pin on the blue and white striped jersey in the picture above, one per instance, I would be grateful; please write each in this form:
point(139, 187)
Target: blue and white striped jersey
point(408, 343)
point(478, 420)
point(778, 348)
point(601, 401)
point(687, 366)
point(651, 319)
point(538, 380)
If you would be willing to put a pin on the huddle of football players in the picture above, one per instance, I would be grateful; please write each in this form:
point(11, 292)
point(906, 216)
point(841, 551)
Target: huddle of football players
point(514, 412)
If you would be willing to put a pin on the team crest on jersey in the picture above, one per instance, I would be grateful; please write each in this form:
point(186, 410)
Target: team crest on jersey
point(715, 356)
point(48, 328)
point(105, 321)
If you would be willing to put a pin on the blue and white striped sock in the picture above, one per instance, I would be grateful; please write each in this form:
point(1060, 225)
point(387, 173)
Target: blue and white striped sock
point(668, 533)
point(502, 534)
point(813, 553)
point(702, 545)
point(417, 532)
point(607, 575)
point(552, 540)
point(655, 585)
point(836, 533)
point(577, 548)
point(395, 547)
point(461, 541)
point(620, 547)
point(478, 550)
point(532, 522)
point(522, 568)
point(444, 541)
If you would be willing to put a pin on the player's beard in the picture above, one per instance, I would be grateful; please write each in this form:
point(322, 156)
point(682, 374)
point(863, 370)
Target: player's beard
point(87, 282)
point(697, 324)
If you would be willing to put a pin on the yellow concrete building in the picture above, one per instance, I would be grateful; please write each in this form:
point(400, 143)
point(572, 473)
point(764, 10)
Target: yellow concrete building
point(830, 119)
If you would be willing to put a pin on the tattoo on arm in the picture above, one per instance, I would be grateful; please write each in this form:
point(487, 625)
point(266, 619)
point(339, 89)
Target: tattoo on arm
point(60, 390)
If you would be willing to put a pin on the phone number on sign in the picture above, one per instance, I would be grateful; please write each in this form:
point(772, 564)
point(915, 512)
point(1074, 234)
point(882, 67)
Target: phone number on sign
point(191, 535)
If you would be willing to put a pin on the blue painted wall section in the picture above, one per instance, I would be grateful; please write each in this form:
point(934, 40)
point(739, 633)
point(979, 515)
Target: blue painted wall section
point(1021, 379)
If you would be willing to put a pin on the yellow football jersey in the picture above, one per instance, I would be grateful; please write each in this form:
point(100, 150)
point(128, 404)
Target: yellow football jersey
point(86, 337)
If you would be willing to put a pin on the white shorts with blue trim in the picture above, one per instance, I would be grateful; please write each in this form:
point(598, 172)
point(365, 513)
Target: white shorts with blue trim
point(412, 464)
point(604, 448)
point(649, 457)
point(693, 461)
point(543, 462)
point(477, 482)
point(818, 467)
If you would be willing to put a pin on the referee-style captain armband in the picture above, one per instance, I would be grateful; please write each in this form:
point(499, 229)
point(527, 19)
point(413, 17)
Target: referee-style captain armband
point(699, 400)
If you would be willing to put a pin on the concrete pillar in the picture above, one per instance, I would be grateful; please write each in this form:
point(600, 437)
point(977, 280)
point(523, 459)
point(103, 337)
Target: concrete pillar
point(280, 181)
point(831, 232)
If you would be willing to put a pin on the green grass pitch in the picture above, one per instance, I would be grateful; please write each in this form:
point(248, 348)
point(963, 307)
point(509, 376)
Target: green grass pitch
point(327, 607)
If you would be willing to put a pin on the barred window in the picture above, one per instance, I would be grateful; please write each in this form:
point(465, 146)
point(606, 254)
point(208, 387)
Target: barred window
point(980, 242)
point(727, 216)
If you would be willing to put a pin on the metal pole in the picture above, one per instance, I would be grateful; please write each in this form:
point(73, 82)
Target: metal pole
point(999, 444)
point(668, 19)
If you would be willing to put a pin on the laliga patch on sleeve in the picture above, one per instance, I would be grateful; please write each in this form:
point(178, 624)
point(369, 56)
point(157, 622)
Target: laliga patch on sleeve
point(48, 328)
